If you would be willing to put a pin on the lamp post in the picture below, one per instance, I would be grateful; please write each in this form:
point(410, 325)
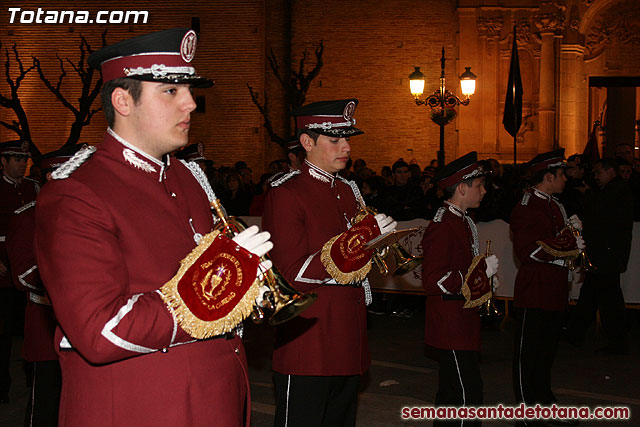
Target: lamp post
point(442, 102)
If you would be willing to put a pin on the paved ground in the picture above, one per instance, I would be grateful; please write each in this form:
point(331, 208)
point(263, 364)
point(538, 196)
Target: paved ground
point(401, 375)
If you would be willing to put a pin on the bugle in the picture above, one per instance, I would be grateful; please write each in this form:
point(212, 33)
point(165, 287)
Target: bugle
point(489, 309)
point(281, 299)
point(582, 260)
point(405, 262)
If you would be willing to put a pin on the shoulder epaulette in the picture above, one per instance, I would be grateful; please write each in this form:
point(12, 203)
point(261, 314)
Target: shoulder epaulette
point(24, 207)
point(35, 183)
point(32, 180)
point(439, 213)
point(287, 176)
point(525, 199)
point(67, 168)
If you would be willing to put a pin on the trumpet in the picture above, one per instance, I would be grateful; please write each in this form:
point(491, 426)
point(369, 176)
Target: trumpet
point(489, 308)
point(405, 262)
point(582, 260)
point(282, 299)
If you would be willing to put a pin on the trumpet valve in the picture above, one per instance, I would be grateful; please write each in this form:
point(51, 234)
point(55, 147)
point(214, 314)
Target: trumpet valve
point(257, 316)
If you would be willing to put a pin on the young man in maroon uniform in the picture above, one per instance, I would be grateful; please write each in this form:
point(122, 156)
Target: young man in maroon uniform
point(15, 192)
point(319, 356)
point(456, 276)
point(543, 244)
point(147, 297)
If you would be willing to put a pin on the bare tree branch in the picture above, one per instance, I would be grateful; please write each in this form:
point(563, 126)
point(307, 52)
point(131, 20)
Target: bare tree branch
point(273, 63)
point(89, 90)
point(55, 90)
point(264, 110)
point(12, 101)
point(14, 127)
point(295, 85)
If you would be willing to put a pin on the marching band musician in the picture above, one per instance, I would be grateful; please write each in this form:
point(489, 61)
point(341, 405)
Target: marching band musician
point(319, 356)
point(147, 297)
point(15, 191)
point(39, 320)
point(543, 243)
point(193, 153)
point(457, 280)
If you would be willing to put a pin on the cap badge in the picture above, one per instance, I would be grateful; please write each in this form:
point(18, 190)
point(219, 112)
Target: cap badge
point(24, 146)
point(349, 109)
point(201, 149)
point(188, 46)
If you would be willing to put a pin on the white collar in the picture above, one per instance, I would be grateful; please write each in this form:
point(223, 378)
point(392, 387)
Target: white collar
point(542, 194)
point(131, 156)
point(127, 144)
point(456, 209)
point(11, 180)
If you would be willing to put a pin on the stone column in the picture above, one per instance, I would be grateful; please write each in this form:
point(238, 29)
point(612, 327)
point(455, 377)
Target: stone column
point(573, 100)
point(489, 29)
point(550, 27)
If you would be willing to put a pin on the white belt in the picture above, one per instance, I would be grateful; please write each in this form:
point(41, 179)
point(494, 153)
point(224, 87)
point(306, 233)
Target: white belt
point(38, 299)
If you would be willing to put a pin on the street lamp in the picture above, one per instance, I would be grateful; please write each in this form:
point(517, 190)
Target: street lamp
point(442, 102)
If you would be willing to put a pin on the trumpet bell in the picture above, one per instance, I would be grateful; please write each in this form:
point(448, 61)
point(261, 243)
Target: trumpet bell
point(586, 263)
point(405, 262)
point(286, 302)
point(489, 310)
point(296, 305)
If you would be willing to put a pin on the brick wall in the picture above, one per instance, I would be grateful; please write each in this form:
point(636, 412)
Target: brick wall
point(230, 51)
point(370, 49)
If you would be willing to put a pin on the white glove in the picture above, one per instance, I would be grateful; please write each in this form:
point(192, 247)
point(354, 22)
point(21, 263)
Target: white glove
point(575, 222)
point(580, 242)
point(492, 265)
point(385, 223)
point(254, 241)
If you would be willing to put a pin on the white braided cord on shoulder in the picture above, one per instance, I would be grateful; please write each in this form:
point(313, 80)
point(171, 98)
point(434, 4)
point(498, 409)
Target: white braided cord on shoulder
point(199, 175)
point(354, 188)
point(285, 178)
point(67, 168)
point(439, 213)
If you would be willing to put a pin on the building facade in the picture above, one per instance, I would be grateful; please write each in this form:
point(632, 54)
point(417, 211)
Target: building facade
point(576, 56)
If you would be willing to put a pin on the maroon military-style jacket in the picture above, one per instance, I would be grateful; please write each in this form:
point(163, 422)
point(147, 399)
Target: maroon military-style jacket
point(542, 280)
point(39, 320)
point(302, 214)
point(450, 244)
point(107, 238)
point(13, 195)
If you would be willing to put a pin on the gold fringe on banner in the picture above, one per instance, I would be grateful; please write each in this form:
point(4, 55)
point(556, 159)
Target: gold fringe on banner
point(466, 292)
point(339, 275)
point(556, 253)
point(188, 321)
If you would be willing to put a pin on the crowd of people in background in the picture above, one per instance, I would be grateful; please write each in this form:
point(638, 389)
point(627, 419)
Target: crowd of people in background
point(406, 190)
